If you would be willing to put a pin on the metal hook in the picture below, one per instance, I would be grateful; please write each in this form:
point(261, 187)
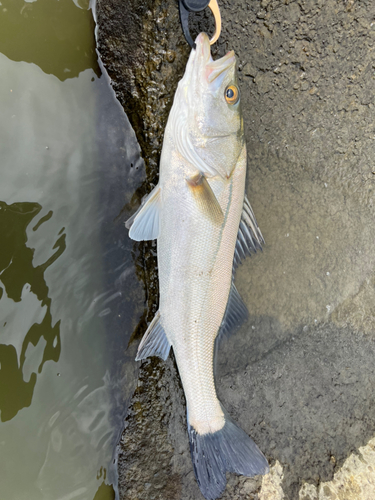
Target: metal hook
point(187, 6)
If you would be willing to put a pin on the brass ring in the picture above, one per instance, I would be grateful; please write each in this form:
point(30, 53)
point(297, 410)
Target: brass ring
point(216, 12)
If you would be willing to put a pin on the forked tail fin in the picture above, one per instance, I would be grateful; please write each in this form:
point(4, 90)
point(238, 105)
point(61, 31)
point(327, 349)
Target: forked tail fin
point(229, 449)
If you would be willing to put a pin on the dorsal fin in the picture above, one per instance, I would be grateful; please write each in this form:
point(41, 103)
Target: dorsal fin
point(154, 341)
point(235, 313)
point(249, 237)
point(144, 224)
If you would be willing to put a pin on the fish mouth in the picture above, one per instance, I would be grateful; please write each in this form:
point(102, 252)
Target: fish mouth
point(213, 68)
point(216, 68)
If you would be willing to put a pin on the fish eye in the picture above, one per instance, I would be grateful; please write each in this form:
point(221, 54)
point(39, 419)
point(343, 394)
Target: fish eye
point(232, 94)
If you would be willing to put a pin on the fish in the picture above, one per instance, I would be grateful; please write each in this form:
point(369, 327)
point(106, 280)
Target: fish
point(204, 227)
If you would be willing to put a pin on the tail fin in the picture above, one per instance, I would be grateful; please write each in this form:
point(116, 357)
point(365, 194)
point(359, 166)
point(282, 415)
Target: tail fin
point(229, 449)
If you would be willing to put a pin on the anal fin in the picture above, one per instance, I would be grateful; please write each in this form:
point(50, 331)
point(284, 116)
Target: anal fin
point(154, 341)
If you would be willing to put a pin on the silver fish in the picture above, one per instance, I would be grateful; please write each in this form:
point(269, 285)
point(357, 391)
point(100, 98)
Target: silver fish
point(204, 226)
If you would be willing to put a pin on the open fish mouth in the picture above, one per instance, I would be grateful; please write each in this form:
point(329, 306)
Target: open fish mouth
point(216, 68)
point(213, 68)
point(201, 68)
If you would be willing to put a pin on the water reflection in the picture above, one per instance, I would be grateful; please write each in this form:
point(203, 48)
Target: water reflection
point(69, 295)
point(20, 278)
point(54, 34)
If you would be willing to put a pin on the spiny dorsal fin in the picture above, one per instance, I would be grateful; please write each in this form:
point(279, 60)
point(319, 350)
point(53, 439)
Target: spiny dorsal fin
point(144, 224)
point(154, 341)
point(205, 198)
point(235, 313)
point(249, 237)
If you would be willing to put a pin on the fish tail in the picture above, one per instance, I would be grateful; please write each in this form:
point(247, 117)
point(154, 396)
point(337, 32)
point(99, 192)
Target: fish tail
point(229, 449)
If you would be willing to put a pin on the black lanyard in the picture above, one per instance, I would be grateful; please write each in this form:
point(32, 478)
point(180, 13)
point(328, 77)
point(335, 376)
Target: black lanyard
point(187, 6)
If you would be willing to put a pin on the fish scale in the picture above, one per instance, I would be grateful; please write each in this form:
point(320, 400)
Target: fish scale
point(205, 302)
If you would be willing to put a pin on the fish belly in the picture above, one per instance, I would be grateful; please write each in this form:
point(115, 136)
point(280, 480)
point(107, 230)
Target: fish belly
point(195, 260)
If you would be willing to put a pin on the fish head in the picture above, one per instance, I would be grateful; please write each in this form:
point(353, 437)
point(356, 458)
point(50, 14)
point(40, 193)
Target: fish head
point(209, 110)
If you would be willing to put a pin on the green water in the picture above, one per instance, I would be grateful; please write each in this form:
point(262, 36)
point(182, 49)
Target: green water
point(67, 282)
point(54, 34)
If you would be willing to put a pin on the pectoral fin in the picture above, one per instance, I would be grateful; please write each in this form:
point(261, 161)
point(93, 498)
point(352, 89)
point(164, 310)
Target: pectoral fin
point(205, 198)
point(144, 224)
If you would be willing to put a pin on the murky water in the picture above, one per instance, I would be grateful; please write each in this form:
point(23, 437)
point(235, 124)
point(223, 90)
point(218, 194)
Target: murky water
point(69, 297)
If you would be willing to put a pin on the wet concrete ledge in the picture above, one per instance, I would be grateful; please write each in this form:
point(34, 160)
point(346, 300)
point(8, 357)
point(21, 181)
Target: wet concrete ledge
point(299, 376)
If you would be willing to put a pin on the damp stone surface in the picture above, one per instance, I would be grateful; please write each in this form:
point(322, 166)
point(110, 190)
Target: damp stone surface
point(298, 377)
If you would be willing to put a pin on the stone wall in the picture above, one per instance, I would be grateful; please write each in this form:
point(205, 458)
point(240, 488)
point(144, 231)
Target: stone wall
point(299, 376)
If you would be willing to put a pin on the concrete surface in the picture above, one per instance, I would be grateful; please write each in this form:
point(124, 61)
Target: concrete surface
point(299, 376)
